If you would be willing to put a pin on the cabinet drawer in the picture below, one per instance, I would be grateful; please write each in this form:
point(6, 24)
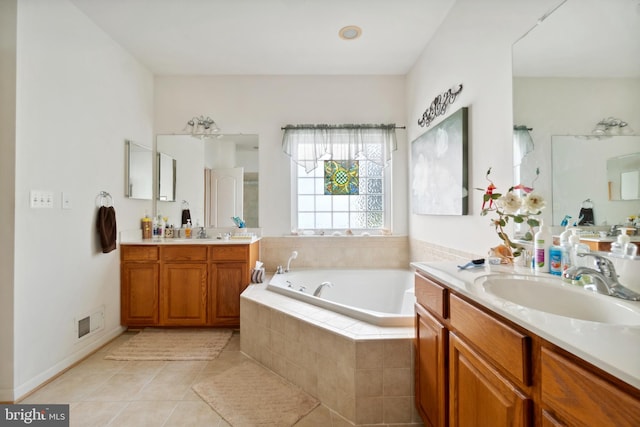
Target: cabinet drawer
point(228, 253)
point(138, 253)
point(507, 347)
point(431, 295)
point(568, 389)
point(184, 253)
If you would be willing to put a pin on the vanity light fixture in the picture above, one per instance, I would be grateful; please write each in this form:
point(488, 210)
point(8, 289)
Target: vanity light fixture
point(350, 32)
point(612, 126)
point(202, 127)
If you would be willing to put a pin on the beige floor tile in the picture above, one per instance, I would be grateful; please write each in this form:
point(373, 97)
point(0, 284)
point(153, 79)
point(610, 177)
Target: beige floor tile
point(162, 390)
point(144, 414)
point(319, 417)
point(120, 387)
point(193, 414)
point(94, 414)
point(70, 387)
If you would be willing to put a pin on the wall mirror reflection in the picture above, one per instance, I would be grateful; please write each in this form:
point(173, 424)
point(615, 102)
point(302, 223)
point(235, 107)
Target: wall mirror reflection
point(591, 167)
point(166, 177)
point(138, 171)
point(623, 174)
point(216, 176)
point(576, 67)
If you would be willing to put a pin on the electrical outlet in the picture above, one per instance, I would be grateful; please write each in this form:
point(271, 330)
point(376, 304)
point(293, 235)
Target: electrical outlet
point(66, 201)
point(41, 199)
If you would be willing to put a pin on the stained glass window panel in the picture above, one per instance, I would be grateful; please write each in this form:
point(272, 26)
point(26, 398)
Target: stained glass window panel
point(341, 177)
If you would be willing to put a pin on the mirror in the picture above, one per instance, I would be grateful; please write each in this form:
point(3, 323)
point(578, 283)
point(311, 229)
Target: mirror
point(592, 167)
point(197, 161)
point(579, 65)
point(138, 171)
point(623, 175)
point(166, 178)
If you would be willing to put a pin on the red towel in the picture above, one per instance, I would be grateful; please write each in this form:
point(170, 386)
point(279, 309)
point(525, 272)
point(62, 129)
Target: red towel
point(106, 226)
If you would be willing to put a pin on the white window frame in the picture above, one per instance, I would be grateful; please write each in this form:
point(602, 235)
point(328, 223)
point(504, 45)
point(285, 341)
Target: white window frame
point(386, 193)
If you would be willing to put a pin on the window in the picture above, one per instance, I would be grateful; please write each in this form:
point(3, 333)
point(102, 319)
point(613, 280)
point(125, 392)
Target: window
point(340, 176)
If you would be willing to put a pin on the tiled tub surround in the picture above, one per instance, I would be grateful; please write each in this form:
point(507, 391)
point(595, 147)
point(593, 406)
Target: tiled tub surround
point(363, 373)
point(336, 251)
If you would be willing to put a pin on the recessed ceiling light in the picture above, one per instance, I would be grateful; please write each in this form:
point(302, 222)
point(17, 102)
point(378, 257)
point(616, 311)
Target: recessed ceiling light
point(350, 32)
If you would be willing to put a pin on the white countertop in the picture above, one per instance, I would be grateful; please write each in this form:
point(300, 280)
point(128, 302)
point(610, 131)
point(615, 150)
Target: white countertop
point(192, 241)
point(612, 348)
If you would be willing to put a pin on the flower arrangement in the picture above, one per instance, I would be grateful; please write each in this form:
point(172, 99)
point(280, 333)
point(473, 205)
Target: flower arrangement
point(512, 207)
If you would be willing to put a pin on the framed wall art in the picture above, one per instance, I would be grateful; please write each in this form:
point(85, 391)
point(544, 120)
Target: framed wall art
point(439, 177)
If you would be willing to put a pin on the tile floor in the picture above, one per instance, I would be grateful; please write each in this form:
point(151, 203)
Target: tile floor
point(114, 393)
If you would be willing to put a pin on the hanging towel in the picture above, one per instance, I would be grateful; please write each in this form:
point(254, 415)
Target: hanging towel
point(106, 226)
point(586, 217)
point(186, 215)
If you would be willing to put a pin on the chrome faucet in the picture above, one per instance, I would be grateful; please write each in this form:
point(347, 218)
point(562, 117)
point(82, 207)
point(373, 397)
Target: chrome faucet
point(293, 256)
point(202, 233)
point(318, 290)
point(604, 276)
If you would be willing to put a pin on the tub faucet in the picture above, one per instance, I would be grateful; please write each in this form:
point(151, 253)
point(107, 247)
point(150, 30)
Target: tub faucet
point(293, 256)
point(604, 276)
point(318, 290)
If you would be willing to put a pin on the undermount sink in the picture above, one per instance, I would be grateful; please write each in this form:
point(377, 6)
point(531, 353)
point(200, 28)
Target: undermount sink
point(551, 295)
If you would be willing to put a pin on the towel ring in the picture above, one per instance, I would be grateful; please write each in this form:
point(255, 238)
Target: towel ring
point(587, 204)
point(185, 205)
point(104, 199)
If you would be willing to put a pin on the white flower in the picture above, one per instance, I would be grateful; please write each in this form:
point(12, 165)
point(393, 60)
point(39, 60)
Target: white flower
point(509, 203)
point(533, 203)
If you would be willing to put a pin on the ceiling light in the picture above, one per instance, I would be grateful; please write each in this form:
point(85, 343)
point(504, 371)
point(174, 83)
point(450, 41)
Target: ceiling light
point(350, 32)
point(202, 127)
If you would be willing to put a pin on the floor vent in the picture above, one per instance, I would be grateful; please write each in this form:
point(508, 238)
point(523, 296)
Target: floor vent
point(90, 323)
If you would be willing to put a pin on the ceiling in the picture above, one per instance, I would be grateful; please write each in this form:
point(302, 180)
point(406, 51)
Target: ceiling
point(254, 37)
point(583, 38)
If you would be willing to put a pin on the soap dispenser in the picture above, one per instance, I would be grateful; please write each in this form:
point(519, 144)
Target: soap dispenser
point(577, 248)
point(541, 244)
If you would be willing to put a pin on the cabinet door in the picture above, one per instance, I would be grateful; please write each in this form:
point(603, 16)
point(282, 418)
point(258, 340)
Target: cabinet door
point(580, 397)
point(431, 380)
point(479, 395)
point(139, 294)
point(227, 281)
point(183, 294)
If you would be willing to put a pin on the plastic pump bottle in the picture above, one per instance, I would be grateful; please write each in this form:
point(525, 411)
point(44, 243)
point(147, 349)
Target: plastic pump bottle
point(541, 244)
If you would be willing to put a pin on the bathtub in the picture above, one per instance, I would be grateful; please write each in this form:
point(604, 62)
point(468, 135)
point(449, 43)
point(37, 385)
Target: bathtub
point(382, 297)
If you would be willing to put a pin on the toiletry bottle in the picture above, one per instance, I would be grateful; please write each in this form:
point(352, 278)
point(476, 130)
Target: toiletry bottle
point(541, 245)
point(619, 247)
point(565, 248)
point(578, 248)
point(146, 227)
point(154, 227)
point(555, 260)
point(187, 230)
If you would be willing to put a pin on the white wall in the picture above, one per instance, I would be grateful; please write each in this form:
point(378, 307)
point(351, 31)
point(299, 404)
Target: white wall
point(79, 96)
point(263, 104)
point(472, 47)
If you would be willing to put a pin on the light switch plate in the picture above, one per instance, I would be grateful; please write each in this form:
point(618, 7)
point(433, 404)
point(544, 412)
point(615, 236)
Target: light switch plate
point(41, 199)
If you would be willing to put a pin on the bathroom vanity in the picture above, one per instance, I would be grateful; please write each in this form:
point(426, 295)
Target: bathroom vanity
point(481, 360)
point(189, 282)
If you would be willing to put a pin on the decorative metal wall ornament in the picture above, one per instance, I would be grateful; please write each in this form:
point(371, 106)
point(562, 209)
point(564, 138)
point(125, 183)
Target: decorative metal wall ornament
point(439, 106)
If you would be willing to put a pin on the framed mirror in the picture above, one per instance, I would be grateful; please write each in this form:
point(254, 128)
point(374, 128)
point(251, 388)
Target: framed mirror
point(166, 177)
point(138, 171)
point(578, 66)
point(197, 160)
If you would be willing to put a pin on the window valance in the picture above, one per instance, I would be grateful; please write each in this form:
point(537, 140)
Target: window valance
point(307, 144)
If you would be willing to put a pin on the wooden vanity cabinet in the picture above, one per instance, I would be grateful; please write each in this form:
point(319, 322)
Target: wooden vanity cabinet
point(229, 276)
point(184, 285)
point(139, 276)
point(431, 347)
point(475, 368)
